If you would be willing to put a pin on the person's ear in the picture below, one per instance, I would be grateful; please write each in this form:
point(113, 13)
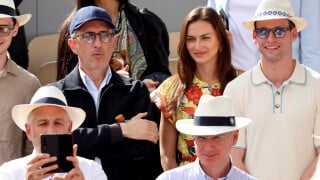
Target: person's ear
point(294, 34)
point(254, 37)
point(73, 45)
point(114, 43)
point(28, 131)
point(235, 135)
point(70, 127)
point(15, 29)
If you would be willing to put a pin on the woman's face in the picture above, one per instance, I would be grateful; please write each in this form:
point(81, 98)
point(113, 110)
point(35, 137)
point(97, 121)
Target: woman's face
point(202, 42)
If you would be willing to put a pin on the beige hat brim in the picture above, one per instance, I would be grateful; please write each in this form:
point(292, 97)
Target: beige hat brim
point(299, 22)
point(186, 126)
point(22, 19)
point(21, 112)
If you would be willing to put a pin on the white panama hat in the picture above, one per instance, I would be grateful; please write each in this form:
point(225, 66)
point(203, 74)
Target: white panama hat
point(8, 9)
point(214, 115)
point(47, 95)
point(318, 137)
point(275, 9)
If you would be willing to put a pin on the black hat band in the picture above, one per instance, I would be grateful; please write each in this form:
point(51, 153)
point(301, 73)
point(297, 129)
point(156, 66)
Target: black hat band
point(7, 10)
point(214, 121)
point(50, 100)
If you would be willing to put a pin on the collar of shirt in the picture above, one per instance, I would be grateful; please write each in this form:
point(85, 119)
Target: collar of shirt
point(299, 75)
point(9, 68)
point(206, 177)
point(2, 72)
point(93, 90)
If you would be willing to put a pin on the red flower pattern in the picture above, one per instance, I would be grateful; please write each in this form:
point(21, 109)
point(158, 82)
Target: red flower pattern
point(190, 143)
point(194, 93)
point(189, 110)
point(215, 91)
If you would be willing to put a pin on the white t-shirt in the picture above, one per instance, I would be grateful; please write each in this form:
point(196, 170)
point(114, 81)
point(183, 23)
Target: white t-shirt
point(244, 52)
point(16, 169)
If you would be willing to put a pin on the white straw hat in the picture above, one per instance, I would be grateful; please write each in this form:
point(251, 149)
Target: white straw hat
point(8, 9)
point(318, 137)
point(275, 9)
point(47, 95)
point(214, 115)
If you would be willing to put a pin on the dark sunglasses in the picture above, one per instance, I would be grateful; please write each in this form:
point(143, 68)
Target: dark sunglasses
point(278, 32)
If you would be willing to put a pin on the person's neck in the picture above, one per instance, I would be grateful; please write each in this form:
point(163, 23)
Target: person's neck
point(111, 6)
point(219, 171)
point(279, 71)
point(207, 73)
point(97, 76)
point(3, 60)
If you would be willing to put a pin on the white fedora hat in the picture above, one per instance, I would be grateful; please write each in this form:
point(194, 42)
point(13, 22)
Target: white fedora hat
point(214, 115)
point(275, 9)
point(47, 95)
point(318, 137)
point(8, 9)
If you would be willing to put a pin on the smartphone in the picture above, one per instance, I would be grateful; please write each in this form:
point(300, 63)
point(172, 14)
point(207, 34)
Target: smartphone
point(59, 145)
point(224, 18)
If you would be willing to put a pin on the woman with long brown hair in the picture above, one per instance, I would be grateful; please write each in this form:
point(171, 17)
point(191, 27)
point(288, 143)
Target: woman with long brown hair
point(204, 67)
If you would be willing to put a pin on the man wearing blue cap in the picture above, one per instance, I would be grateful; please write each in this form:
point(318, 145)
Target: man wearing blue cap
point(125, 146)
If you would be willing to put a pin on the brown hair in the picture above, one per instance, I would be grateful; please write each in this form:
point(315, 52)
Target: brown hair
point(186, 65)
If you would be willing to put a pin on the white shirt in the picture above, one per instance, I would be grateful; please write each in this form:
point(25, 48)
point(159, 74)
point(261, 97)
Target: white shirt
point(279, 142)
point(193, 171)
point(244, 52)
point(16, 169)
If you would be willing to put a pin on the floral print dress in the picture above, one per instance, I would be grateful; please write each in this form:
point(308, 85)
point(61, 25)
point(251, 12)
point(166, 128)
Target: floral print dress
point(186, 110)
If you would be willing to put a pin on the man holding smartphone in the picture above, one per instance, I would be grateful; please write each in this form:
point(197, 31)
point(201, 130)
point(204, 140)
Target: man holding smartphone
point(48, 113)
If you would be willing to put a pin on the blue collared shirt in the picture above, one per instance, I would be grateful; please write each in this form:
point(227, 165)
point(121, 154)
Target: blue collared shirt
point(193, 171)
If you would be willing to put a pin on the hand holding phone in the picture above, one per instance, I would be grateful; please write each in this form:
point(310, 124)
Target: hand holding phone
point(59, 145)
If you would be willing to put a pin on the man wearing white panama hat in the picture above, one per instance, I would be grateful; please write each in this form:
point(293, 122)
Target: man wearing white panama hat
point(306, 48)
point(281, 96)
point(48, 113)
point(16, 85)
point(214, 130)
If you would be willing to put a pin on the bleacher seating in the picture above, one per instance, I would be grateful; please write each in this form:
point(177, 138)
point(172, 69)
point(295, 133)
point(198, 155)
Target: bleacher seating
point(173, 44)
point(42, 57)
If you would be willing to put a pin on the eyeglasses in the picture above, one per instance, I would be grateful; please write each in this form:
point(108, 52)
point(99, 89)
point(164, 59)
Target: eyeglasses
point(90, 37)
point(216, 139)
point(5, 30)
point(278, 32)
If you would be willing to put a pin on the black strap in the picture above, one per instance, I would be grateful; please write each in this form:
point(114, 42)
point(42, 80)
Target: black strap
point(214, 121)
point(7, 10)
point(50, 100)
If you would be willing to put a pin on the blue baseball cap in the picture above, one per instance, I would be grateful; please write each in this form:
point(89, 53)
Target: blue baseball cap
point(89, 13)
